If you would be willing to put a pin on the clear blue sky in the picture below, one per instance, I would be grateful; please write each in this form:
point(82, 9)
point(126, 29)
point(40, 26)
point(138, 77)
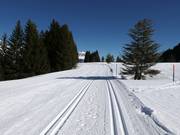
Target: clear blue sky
point(97, 24)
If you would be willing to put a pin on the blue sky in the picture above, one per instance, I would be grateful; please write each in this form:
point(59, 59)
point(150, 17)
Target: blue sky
point(97, 24)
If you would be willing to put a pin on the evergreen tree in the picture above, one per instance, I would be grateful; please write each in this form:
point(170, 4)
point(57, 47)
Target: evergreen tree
point(74, 51)
point(43, 65)
point(109, 58)
point(35, 60)
point(176, 52)
point(96, 55)
point(92, 57)
point(3, 57)
point(15, 53)
point(87, 56)
point(118, 59)
point(70, 55)
point(28, 53)
point(141, 53)
point(102, 59)
point(54, 45)
point(167, 56)
point(171, 55)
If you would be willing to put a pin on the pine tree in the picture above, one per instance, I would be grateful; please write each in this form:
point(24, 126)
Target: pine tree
point(176, 52)
point(118, 59)
point(43, 65)
point(102, 59)
point(96, 55)
point(35, 60)
point(87, 56)
point(53, 41)
point(69, 48)
point(15, 53)
point(3, 57)
point(109, 58)
point(62, 50)
point(73, 51)
point(167, 56)
point(141, 53)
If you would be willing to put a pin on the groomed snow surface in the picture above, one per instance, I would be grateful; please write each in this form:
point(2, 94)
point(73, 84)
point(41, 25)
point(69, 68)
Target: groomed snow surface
point(160, 94)
point(89, 100)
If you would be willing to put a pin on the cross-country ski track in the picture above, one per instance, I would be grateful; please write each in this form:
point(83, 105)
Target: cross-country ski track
point(88, 100)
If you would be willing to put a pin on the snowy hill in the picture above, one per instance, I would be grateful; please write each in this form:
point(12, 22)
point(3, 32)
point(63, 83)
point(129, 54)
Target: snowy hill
point(160, 94)
point(89, 100)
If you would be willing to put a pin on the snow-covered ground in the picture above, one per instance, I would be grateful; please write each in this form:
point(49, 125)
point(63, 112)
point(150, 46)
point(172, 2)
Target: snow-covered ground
point(89, 101)
point(160, 94)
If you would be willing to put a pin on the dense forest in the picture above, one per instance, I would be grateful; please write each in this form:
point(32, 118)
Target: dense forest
point(171, 55)
point(28, 52)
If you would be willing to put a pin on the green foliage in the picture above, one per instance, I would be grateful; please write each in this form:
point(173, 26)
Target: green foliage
point(171, 55)
point(102, 59)
point(87, 56)
point(118, 59)
point(141, 53)
point(32, 51)
point(28, 52)
point(54, 46)
point(62, 50)
point(109, 58)
point(92, 57)
point(14, 53)
point(3, 57)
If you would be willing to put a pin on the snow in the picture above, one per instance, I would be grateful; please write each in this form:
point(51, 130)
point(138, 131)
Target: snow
point(161, 94)
point(81, 56)
point(77, 102)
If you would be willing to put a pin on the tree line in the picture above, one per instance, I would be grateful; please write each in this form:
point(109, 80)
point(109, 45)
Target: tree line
point(171, 55)
point(28, 52)
point(92, 56)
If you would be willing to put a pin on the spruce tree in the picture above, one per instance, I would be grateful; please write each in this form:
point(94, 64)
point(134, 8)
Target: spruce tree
point(53, 41)
point(35, 60)
point(141, 53)
point(43, 65)
point(15, 53)
point(102, 59)
point(87, 56)
point(176, 52)
point(109, 58)
point(69, 48)
point(4, 61)
point(92, 57)
point(167, 56)
point(73, 51)
point(118, 59)
point(96, 55)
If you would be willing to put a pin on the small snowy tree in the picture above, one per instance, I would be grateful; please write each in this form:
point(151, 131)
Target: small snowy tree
point(141, 53)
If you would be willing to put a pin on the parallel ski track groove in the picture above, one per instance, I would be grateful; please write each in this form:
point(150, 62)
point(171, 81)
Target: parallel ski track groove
point(115, 111)
point(61, 118)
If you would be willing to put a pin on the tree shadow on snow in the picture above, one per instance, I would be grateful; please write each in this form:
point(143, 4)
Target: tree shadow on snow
point(89, 77)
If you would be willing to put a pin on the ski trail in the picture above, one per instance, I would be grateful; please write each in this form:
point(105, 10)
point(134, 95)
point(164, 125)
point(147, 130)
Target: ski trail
point(55, 125)
point(118, 125)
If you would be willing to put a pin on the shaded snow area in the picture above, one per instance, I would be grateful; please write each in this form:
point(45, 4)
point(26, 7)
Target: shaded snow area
point(89, 100)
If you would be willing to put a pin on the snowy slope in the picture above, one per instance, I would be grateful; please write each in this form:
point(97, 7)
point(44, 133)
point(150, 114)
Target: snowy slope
point(33, 102)
point(87, 100)
point(161, 95)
